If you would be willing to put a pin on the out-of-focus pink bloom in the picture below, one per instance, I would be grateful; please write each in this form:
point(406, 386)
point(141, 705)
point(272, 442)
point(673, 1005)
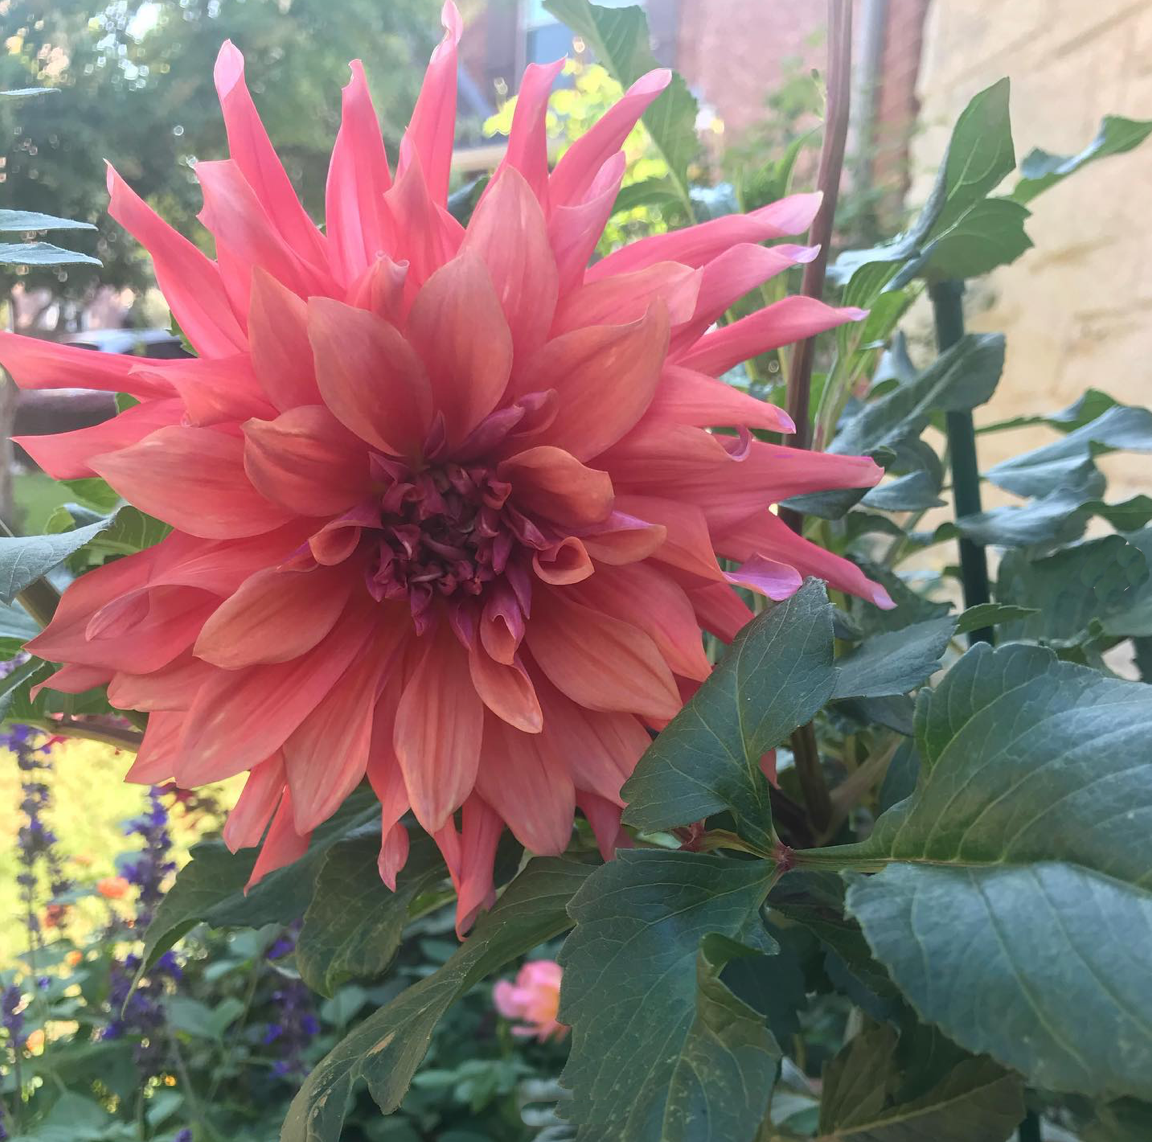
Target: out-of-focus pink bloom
point(533, 999)
point(448, 511)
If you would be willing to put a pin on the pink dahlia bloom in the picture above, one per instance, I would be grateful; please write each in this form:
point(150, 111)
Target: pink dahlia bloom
point(534, 999)
point(446, 508)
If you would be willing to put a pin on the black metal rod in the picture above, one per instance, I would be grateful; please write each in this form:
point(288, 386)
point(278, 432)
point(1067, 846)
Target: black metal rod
point(948, 311)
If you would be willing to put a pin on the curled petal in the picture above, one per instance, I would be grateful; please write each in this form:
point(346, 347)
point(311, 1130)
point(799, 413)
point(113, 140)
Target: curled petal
point(564, 562)
point(687, 397)
point(505, 689)
point(528, 139)
point(550, 482)
point(574, 230)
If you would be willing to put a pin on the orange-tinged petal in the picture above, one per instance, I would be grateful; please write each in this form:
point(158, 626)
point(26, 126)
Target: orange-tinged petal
point(550, 482)
point(599, 661)
point(565, 562)
point(276, 615)
point(282, 845)
point(158, 753)
point(281, 351)
point(327, 755)
point(509, 233)
point(646, 597)
point(458, 327)
point(623, 538)
point(370, 377)
point(438, 727)
point(172, 687)
point(306, 461)
point(241, 717)
point(505, 689)
point(605, 376)
point(528, 787)
point(194, 479)
point(255, 805)
point(687, 397)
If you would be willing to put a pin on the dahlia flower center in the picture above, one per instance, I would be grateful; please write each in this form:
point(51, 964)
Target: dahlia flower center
point(444, 530)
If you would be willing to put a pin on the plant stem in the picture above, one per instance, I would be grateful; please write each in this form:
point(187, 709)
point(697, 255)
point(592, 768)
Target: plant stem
point(828, 183)
point(109, 735)
point(948, 311)
point(804, 750)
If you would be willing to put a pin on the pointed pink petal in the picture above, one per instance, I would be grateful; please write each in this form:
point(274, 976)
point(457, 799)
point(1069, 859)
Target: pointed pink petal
point(505, 689)
point(427, 235)
point(509, 234)
point(327, 755)
point(470, 857)
point(574, 230)
point(241, 717)
point(234, 215)
point(606, 377)
point(528, 787)
point(282, 846)
point(431, 132)
point(38, 364)
point(255, 805)
point(698, 245)
point(550, 482)
point(767, 534)
point(528, 139)
point(458, 328)
point(306, 461)
point(145, 630)
point(728, 277)
point(627, 297)
point(190, 282)
point(73, 680)
point(156, 758)
point(254, 155)
point(194, 479)
point(437, 732)
point(370, 377)
point(66, 455)
point(275, 616)
point(577, 169)
point(604, 817)
point(599, 749)
point(648, 598)
point(792, 319)
point(687, 397)
point(281, 351)
point(599, 661)
point(356, 220)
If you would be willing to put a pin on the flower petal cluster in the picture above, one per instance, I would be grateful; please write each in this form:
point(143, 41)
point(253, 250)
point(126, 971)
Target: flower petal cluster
point(449, 506)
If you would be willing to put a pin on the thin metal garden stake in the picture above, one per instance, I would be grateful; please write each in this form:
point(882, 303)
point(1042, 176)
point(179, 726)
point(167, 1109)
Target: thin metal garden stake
point(804, 749)
point(948, 311)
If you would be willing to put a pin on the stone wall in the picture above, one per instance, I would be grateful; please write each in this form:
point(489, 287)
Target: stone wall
point(1077, 309)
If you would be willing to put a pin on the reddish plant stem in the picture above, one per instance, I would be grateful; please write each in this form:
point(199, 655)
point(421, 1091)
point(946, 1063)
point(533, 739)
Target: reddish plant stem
point(804, 748)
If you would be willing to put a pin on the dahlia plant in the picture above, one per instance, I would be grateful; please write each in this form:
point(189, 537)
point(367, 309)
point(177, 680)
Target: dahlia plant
point(446, 525)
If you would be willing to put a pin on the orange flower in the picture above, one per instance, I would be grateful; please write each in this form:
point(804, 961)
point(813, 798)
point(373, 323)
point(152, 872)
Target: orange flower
point(73, 958)
point(113, 887)
point(448, 513)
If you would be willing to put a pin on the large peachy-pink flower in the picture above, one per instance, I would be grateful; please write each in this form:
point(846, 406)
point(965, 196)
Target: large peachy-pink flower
point(447, 511)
